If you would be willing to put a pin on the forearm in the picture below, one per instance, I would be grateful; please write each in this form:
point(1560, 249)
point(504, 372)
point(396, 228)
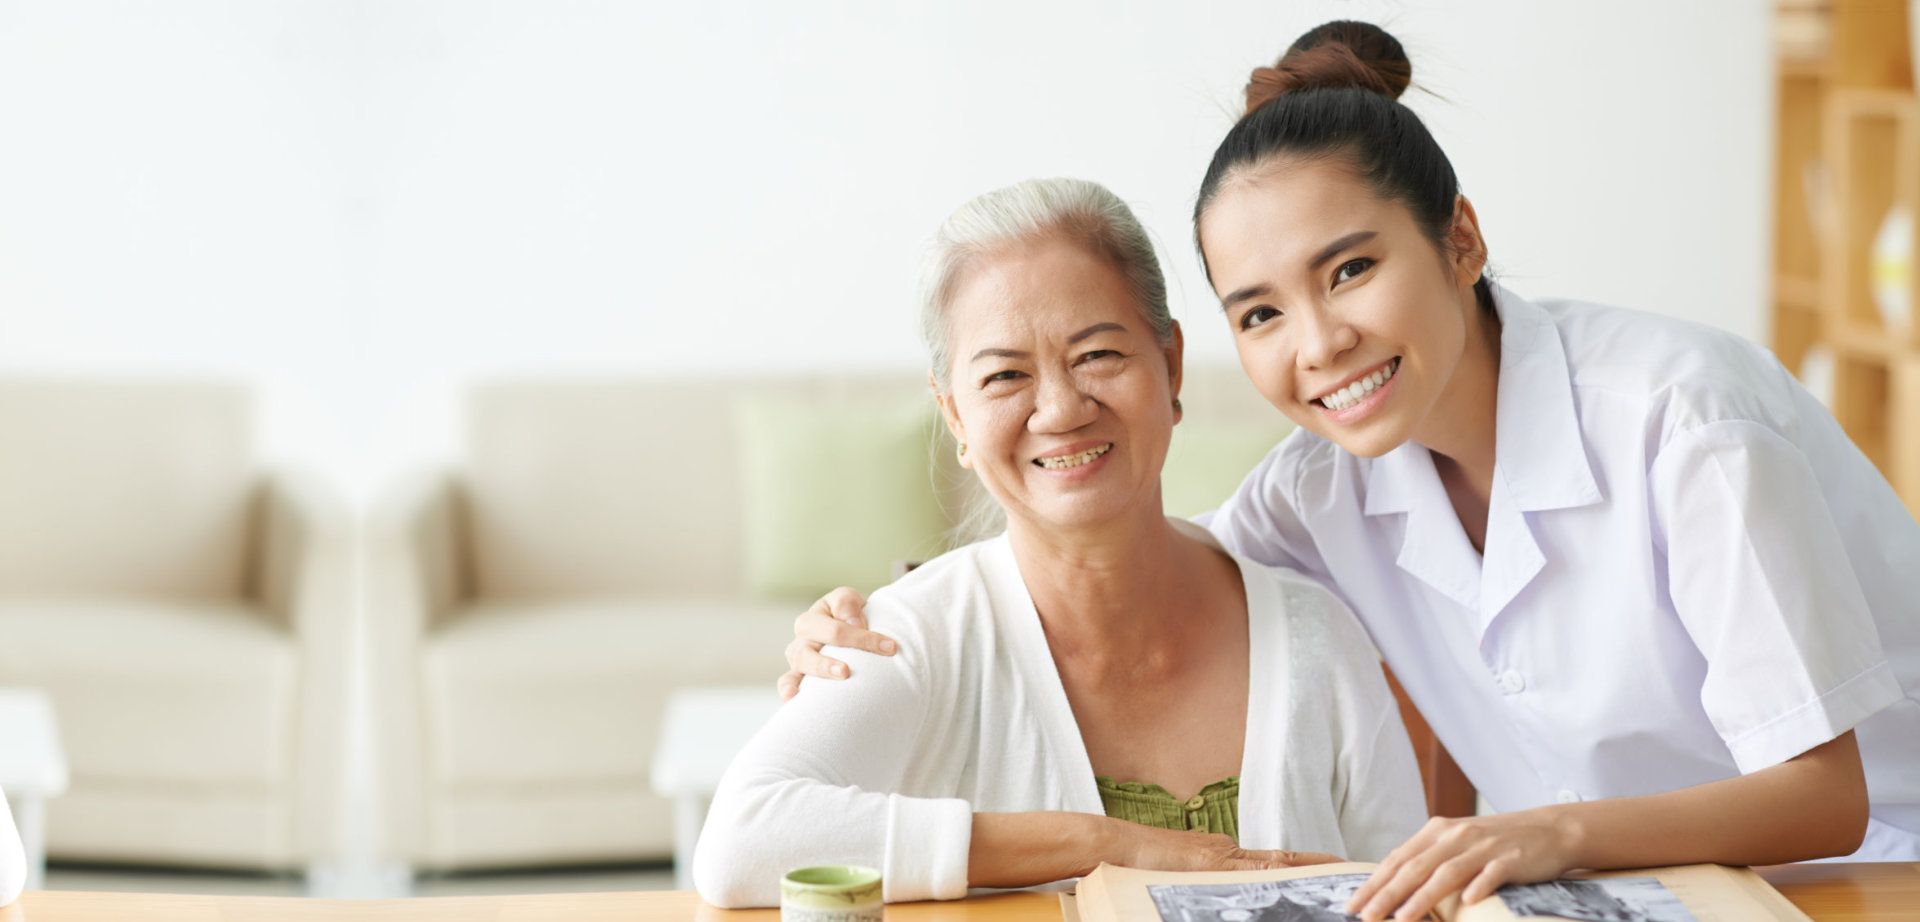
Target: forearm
point(1811, 806)
point(1024, 849)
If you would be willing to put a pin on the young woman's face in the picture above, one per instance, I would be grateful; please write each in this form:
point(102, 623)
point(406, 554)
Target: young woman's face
point(1059, 389)
point(1347, 318)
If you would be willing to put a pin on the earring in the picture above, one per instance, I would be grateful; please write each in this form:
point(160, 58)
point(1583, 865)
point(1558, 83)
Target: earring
point(963, 449)
point(1176, 405)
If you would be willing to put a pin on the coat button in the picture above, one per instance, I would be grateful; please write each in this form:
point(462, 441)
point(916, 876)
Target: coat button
point(1511, 683)
point(1196, 802)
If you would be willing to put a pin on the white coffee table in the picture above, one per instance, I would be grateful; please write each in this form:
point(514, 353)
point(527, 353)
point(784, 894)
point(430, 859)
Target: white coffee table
point(32, 769)
point(703, 730)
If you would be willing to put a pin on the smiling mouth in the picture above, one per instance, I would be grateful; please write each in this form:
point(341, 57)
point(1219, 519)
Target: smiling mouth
point(1059, 462)
point(1358, 390)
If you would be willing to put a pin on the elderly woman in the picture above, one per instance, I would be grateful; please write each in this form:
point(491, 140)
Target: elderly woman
point(1035, 721)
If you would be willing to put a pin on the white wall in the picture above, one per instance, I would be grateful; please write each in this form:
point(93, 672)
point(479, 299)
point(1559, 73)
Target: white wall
point(361, 205)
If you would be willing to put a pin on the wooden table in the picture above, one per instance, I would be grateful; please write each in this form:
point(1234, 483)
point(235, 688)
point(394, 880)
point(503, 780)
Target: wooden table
point(1827, 892)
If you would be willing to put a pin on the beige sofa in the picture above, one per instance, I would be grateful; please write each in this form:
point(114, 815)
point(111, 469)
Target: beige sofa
point(187, 613)
point(597, 547)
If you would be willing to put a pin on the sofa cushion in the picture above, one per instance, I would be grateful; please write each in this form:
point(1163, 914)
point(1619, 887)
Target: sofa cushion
point(548, 695)
point(159, 692)
point(124, 488)
point(138, 823)
point(613, 487)
point(1209, 458)
point(555, 825)
point(834, 492)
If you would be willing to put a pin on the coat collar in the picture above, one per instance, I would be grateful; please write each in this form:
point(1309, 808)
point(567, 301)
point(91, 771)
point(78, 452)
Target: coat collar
point(1540, 458)
point(1540, 464)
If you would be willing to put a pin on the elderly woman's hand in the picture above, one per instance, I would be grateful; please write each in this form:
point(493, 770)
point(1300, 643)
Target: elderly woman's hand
point(1180, 850)
point(1023, 849)
point(838, 619)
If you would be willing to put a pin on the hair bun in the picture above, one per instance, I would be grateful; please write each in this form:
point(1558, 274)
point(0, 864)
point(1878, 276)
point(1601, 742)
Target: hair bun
point(1337, 54)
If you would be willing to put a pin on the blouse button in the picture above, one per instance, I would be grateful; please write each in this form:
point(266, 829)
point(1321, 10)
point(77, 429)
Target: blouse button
point(1512, 683)
point(1196, 802)
point(1568, 797)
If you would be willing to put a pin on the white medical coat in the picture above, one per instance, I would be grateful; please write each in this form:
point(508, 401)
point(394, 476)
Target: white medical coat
point(1689, 571)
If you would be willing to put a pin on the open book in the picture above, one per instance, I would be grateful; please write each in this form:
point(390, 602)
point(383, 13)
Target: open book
point(1694, 893)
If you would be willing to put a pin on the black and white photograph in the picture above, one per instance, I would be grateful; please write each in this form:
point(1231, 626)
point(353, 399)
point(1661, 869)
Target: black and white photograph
point(1312, 899)
point(1612, 899)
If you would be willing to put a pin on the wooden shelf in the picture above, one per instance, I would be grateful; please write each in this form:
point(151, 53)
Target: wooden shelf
point(1800, 292)
point(1873, 140)
point(1861, 342)
point(1804, 69)
point(1847, 152)
point(1877, 103)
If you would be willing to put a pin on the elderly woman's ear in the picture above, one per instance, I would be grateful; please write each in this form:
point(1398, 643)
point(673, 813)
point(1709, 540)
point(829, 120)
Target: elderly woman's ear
point(950, 418)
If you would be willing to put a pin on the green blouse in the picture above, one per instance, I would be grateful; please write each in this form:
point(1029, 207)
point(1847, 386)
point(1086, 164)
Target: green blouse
point(1215, 809)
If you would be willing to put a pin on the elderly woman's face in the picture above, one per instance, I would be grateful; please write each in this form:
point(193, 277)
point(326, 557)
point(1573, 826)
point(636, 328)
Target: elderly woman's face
point(1059, 389)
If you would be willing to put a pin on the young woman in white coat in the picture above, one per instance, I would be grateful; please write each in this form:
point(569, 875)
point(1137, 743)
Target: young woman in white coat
point(1646, 591)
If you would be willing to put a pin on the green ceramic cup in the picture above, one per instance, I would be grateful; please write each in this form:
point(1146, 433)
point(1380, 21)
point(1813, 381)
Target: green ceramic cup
point(831, 893)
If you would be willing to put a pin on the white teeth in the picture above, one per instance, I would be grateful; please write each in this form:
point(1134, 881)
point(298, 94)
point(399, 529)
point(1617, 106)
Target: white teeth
point(1351, 394)
point(1074, 460)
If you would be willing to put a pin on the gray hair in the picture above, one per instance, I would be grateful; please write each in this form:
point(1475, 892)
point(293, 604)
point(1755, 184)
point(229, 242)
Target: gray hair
point(1078, 209)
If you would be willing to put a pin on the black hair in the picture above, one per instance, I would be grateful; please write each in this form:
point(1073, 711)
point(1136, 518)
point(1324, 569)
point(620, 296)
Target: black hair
point(1335, 94)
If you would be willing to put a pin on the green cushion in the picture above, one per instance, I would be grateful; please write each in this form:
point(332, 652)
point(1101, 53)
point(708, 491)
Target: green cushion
point(1207, 461)
point(835, 491)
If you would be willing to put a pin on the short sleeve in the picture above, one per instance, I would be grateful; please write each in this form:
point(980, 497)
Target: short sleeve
point(1761, 580)
point(1261, 520)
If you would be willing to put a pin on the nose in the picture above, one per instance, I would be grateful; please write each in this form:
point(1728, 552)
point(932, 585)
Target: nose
point(1060, 404)
point(1324, 337)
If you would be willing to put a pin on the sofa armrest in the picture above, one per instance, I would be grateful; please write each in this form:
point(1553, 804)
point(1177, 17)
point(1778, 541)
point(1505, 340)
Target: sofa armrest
point(417, 579)
point(301, 556)
point(303, 580)
point(416, 554)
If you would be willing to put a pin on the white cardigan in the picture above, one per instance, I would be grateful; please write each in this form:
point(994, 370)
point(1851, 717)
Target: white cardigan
point(13, 859)
point(887, 769)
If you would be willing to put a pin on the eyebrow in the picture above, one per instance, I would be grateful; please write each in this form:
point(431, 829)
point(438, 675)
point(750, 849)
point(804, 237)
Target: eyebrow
point(1319, 259)
point(1108, 327)
point(994, 352)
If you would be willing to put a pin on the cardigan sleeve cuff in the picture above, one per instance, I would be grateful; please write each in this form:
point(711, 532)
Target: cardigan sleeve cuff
point(927, 844)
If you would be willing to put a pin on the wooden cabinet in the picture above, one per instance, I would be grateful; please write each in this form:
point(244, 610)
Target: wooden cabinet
point(1847, 152)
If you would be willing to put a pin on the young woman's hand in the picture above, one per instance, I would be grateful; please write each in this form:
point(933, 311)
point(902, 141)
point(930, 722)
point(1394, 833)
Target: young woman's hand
point(1472, 855)
point(838, 619)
